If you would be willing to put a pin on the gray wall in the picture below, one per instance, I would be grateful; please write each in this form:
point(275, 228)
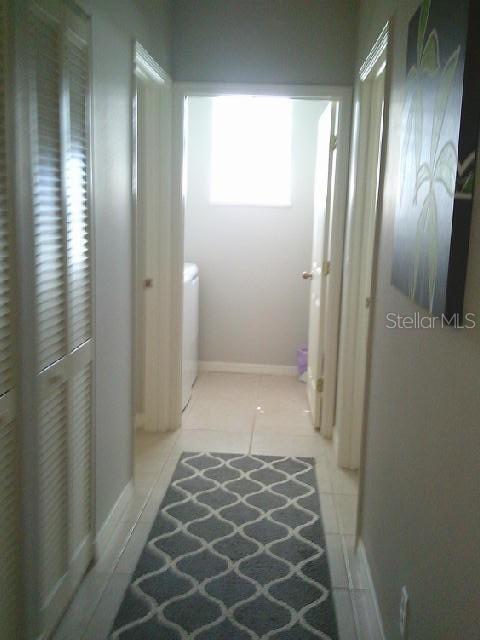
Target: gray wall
point(253, 302)
point(421, 514)
point(115, 24)
point(297, 41)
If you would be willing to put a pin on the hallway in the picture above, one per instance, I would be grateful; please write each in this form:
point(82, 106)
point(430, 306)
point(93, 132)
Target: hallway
point(311, 170)
point(231, 413)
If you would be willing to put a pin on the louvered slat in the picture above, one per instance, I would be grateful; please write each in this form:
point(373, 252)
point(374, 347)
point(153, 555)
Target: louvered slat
point(77, 193)
point(9, 481)
point(47, 192)
point(6, 346)
point(9, 577)
point(81, 419)
point(53, 464)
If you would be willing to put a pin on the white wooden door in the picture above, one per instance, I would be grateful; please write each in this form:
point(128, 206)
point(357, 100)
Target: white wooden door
point(317, 329)
point(60, 154)
point(152, 203)
point(372, 158)
point(9, 477)
point(150, 145)
point(360, 235)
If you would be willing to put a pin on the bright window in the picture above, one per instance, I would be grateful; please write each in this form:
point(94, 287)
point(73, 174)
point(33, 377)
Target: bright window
point(251, 151)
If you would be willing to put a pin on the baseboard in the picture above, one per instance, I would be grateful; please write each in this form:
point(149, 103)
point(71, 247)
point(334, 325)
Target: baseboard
point(66, 587)
point(363, 558)
point(108, 528)
point(245, 367)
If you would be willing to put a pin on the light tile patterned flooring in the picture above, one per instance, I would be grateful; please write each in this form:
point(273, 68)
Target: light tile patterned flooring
point(231, 413)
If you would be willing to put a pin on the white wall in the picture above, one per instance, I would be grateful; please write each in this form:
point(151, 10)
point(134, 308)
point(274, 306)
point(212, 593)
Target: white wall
point(298, 41)
point(115, 24)
point(253, 301)
point(421, 514)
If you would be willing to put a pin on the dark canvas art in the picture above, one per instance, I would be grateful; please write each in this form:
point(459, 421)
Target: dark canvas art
point(438, 154)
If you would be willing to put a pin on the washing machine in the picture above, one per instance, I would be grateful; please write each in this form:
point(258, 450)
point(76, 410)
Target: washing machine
point(191, 283)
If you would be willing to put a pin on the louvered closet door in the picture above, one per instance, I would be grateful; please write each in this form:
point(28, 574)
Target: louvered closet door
point(51, 297)
point(61, 169)
point(9, 480)
point(76, 73)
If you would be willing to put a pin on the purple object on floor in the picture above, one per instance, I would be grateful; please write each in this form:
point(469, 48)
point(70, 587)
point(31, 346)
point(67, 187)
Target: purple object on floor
point(302, 360)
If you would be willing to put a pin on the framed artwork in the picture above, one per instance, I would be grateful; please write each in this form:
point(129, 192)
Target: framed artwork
point(439, 139)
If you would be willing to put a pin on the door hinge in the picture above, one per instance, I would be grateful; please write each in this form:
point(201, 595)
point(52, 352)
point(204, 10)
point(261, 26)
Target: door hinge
point(368, 302)
point(319, 385)
point(326, 267)
point(333, 142)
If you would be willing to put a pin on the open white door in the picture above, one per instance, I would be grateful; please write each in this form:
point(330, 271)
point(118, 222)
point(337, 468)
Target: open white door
point(360, 251)
point(318, 338)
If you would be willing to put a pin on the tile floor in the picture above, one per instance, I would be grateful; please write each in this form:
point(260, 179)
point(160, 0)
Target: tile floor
point(231, 413)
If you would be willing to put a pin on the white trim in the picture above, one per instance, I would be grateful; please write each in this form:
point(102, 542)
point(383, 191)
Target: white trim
point(145, 63)
point(209, 89)
point(360, 251)
point(107, 530)
point(362, 555)
point(245, 367)
point(67, 586)
point(375, 53)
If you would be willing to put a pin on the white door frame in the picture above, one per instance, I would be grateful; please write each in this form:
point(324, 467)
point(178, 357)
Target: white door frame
point(353, 378)
point(157, 87)
point(386, 32)
point(181, 91)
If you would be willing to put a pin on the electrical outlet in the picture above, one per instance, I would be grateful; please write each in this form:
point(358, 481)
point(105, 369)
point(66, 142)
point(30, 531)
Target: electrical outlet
point(403, 611)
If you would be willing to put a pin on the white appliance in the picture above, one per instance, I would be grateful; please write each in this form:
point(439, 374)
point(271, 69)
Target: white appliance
point(190, 330)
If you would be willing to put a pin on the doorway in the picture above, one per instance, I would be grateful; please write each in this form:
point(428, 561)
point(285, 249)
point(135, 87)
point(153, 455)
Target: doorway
point(250, 177)
point(213, 341)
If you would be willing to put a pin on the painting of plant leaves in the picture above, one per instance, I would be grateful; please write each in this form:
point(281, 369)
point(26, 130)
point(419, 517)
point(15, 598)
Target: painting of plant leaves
point(439, 140)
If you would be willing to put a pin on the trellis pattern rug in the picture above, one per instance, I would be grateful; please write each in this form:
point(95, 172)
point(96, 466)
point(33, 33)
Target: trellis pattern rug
point(236, 552)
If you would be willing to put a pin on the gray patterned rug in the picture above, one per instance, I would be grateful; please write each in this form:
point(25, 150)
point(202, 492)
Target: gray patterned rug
point(236, 552)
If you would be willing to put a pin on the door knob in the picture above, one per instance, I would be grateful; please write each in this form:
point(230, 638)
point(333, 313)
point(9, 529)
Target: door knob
point(307, 275)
